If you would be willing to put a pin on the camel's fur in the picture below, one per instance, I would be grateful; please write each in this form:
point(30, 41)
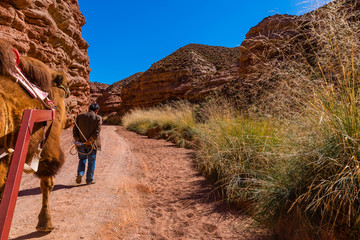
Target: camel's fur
point(13, 101)
point(36, 73)
point(7, 60)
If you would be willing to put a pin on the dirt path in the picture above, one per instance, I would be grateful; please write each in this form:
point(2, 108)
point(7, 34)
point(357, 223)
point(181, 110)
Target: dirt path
point(145, 189)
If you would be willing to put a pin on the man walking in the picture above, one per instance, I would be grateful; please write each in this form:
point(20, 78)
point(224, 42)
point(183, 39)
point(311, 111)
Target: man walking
point(86, 133)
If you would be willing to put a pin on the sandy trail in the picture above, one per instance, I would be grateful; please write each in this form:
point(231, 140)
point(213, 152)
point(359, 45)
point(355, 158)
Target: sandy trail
point(145, 189)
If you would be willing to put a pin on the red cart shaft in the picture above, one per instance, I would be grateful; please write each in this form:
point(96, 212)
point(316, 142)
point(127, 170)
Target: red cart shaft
point(8, 201)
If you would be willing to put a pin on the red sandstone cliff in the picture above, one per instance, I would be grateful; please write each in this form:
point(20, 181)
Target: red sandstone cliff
point(196, 71)
point(96, 90)
point(266, 45)
point(192, 72)
point(110, 101)
point(246, 73)
point(50, 31)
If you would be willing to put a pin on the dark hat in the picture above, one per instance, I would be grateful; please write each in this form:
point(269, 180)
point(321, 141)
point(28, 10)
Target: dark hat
point(94, 107)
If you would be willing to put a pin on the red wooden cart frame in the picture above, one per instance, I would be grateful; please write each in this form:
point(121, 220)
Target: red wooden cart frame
point(8, 201)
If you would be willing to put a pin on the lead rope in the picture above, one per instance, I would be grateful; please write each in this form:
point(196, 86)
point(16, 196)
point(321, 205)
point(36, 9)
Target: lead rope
point(82, 134)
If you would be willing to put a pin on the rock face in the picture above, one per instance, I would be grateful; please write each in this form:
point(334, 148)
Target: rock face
point(191, 73)
point(246, 73)
point(50, 30)
point(196, 71)
point(263, 41)
point(96, 90)
point(110, 101)
point(264, 47)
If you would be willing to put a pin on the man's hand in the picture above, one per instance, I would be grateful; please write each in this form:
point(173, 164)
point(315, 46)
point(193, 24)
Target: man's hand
point(88, 142)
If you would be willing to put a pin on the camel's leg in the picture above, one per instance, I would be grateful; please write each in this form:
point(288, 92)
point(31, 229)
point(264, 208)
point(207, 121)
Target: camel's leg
point(44, 224)
point(3, 172)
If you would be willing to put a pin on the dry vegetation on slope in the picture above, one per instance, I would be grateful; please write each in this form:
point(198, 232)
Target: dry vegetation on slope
point(292, 157)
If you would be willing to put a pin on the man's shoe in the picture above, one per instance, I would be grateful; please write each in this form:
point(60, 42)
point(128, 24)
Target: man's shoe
point(78, 179)
point(91, 182)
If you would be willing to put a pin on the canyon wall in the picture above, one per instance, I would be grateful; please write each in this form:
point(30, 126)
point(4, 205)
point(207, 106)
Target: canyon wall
point(247, 73)
point(50, 30)
point(111, 101)
point(192, 72)
point(96, 90)
point(196, 71)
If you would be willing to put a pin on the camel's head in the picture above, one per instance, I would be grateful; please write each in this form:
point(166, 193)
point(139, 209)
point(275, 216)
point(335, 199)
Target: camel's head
point(58, 93)
point(60, 81)
point(48, 80)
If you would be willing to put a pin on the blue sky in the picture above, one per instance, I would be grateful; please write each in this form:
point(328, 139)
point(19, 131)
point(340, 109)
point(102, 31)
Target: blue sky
point(127, 36)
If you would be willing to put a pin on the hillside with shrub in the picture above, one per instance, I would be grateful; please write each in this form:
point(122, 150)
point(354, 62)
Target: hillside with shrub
point(284, 146)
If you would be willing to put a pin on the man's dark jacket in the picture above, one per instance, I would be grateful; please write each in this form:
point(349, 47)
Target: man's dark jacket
point(90, 126)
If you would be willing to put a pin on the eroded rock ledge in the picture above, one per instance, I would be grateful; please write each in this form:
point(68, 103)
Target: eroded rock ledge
point(50, 30)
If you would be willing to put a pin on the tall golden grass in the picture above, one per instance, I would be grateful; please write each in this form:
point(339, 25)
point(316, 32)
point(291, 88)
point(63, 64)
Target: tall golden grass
point(317, 186)
point(174, 121)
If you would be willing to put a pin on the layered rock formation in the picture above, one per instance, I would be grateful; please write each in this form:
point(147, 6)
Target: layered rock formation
point(264, 40)
point(247, 73)
point(191, 72)
point(96, 90)
point(265, 47)
point(50, 30)
point(196, 71)
point(110, 101)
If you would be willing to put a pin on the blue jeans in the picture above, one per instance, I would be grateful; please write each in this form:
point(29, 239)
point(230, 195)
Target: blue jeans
point(82, 162)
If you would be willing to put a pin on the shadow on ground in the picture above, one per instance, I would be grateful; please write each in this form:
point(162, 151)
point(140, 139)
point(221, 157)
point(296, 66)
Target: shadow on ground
point(32, 235)
point(37, 191)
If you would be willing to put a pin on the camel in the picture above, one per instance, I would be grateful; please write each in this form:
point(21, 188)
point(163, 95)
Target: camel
point(14, 99)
